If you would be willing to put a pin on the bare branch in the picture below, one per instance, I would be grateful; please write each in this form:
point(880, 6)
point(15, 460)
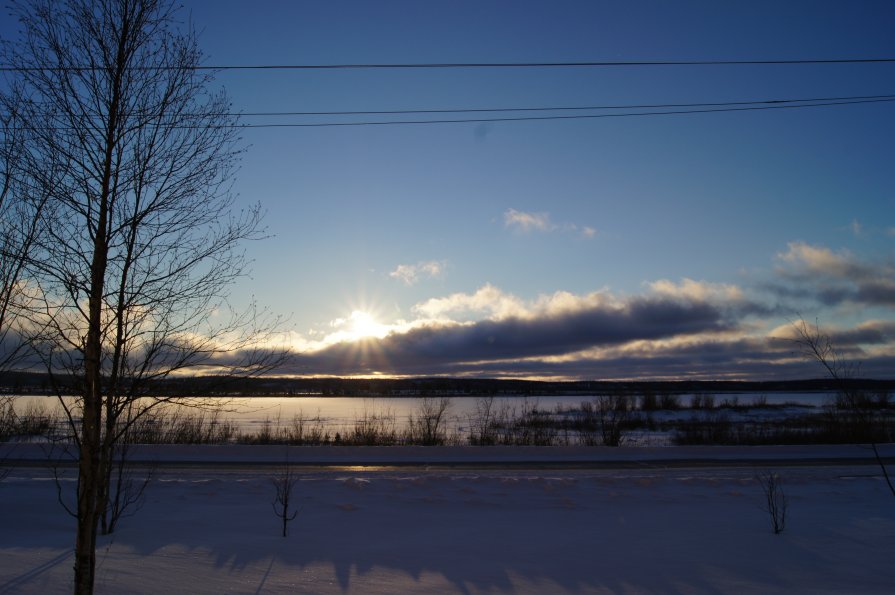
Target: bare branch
point(775, 500)
point(284, 484)
point(851, 401)
point(134, 238)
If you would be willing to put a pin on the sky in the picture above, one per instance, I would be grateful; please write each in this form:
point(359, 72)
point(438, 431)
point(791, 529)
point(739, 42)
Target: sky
point(636, 247)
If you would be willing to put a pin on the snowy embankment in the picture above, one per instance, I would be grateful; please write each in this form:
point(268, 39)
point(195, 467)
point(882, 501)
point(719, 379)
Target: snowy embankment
point(528, 527)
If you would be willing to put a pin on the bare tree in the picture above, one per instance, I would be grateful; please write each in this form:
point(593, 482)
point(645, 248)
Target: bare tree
point(818, 346)
point(284, 483)
point(775, 501)
point(20, 211)
point(427, 426)
point(482, 430)
point(609, 414)
point(138, 242)
point(125, 487)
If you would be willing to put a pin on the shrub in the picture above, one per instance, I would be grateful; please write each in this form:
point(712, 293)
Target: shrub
point(649, 402)
point(669, 402)
point(775, 501)
point(702, 402)
point(428, 425)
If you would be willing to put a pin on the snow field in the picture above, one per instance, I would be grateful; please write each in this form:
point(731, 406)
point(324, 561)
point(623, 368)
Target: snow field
point(676, 530)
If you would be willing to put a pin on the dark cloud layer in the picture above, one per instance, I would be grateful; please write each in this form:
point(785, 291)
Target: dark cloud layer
point(552, 335)
point(707, 358)
point(452, 347)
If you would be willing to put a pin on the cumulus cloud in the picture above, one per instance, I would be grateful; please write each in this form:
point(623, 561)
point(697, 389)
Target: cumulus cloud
point(488, 301)
point(410, 274)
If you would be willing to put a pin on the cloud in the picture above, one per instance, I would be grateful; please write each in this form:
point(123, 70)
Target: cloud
point(834, 277)
point(410, 274)
point(805, 260)
point(700, 356)
point(527, 222)
point(672, 329)
point(488, 301)
point(861, 335)
point(698, 290)
point(512, 330)
point(523, 222)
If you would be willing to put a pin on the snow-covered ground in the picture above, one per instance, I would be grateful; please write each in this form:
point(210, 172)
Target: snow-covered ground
point(676, 523)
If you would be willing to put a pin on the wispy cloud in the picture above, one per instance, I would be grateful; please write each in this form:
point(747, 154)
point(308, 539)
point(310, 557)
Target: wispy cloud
point(805, 259)
point(525, 222)
point(698, 290)
point(410, 274)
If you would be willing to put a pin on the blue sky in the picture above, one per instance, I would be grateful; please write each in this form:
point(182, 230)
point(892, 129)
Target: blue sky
point(639, 247)
point(663, 246)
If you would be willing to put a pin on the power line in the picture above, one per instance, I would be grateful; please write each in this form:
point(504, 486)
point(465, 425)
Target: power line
point(560, 108)
point(771, 105)
point(552, 64)
point(544, 108)
point(473, 65)
point(573, 117)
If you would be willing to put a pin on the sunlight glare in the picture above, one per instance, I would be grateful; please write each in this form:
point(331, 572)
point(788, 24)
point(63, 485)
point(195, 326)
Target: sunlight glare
point(362, 325)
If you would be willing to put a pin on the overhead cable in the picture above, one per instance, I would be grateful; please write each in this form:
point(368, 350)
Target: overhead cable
point(742, 108)
point(471, 65)
point(558, 108)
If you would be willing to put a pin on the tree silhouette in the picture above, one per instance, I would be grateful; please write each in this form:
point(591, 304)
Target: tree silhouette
point(138, 239)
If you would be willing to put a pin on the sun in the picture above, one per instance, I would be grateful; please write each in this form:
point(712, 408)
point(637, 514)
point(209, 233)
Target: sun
point(361, 325)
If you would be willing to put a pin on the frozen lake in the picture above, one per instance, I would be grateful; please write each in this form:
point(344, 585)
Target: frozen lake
point(339, 413)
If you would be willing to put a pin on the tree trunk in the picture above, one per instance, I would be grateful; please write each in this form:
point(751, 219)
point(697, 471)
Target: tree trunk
point(92, 451)
point(85, 544)
point(133, 153)
point(89, 464)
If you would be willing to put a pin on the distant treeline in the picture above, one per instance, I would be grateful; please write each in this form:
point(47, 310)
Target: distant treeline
point(35, 383)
